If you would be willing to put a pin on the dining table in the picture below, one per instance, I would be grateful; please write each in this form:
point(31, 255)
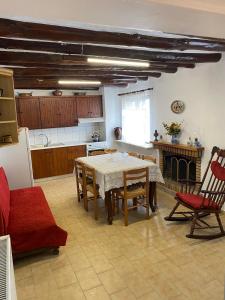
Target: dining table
point(109, 170)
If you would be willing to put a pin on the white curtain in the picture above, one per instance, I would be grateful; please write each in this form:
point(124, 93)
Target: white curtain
point(136, 117)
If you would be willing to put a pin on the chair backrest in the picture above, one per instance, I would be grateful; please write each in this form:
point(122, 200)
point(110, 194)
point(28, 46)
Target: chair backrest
point(90, 179)
point(108, 151)
point(135, 176)
point(97, 152)
point(78, 169)
point(4, 202)
point(149, 157)
point(135, 154)
point(213, 183)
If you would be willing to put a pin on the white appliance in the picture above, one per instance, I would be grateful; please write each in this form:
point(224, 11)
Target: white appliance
point(96, 146)
point(7, 279)
point(16, 161)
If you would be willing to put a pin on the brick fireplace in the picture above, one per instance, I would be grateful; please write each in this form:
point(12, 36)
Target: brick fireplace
point(177, 162)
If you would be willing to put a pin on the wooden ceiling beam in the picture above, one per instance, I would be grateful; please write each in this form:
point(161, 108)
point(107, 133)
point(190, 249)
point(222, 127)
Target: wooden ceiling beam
point(82, 50)
point(72, 73)
point(68, 60)
point(53, 84)
point(86, 77)
point(171, 66)
point(91, 70)
point(27, 30)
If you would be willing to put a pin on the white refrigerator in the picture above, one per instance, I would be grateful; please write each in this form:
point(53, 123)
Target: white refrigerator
point(16, 161)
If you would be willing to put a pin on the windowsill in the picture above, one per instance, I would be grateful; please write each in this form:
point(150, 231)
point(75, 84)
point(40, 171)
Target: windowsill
point(144, 145)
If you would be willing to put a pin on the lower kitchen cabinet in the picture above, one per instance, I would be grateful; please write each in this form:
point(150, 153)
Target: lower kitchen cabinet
point(55, 161)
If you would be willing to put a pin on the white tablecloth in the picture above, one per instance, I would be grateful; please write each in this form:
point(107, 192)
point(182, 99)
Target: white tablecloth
point(109, 169)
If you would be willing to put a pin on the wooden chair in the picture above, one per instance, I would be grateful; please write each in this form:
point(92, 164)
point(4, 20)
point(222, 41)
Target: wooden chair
point(149, 157)
point(91, 189)
point(203, 198)
point(132, 191)
point(97, 152)
point(109, 151)
point(134, 154)
point(79, 173)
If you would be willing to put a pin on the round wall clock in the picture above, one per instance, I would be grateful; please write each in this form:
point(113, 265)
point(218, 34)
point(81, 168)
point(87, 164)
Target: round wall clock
point(177, 106)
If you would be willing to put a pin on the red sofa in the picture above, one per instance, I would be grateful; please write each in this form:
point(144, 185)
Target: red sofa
point(27, 218)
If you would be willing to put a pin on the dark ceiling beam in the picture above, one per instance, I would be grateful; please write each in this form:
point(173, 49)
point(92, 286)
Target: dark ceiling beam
point(170, 67)
point(35, 72)
point(103, 79)
point(53, 84)
point(27, 30)
point(68, 60)
point(83, 50)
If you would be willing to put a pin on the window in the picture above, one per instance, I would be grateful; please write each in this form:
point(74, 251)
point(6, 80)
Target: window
point(136, 117)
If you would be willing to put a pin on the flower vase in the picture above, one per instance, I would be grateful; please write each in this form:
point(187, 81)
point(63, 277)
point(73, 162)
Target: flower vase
point(174, 139)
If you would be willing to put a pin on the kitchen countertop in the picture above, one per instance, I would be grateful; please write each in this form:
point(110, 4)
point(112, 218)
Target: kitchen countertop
point(92, 145)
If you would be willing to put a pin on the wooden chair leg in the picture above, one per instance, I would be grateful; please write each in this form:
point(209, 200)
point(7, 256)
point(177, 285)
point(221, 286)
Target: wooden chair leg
point(135, 203)
point(219, 222)
point(85, 201)
point(96, 206)
point(125, 213)
point(193, 224)
point(170, 217)
point(147, 210)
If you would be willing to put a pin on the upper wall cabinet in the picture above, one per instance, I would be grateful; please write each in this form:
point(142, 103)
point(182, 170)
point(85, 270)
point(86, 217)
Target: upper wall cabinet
point(89, 107)
point(8, 120)
point(58, 112)
point(53, 112)
point(28, 112)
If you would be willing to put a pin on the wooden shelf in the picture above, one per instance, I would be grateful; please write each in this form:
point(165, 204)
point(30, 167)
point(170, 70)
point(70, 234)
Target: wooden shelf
point(8, 122)
point(7, 98)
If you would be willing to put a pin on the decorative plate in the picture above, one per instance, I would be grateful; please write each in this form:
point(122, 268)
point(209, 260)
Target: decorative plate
point(177, 106)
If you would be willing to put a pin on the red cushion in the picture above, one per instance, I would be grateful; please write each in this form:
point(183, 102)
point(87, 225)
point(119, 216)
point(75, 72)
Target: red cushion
point(196, 201)
point(31, 223)
point(4, 202)
point(218, 170)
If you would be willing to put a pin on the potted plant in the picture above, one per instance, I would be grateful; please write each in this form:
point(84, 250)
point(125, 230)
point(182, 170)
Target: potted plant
point(173, 129)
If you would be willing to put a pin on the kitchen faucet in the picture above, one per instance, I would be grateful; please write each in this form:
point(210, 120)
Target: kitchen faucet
point(47, 141)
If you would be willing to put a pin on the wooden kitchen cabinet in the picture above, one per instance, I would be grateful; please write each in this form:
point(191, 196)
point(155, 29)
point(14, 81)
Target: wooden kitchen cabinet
point(73, 153)
point(55, 161)
point(28, 112)
point(58, 112)
point(43, 163)
point(89, 106)
point(55, 112)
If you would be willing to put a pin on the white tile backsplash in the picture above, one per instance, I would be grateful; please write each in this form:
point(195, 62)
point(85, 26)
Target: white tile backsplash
point(80, 133)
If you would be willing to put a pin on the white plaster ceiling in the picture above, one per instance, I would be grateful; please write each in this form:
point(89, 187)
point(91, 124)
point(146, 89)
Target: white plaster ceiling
point(195, 17)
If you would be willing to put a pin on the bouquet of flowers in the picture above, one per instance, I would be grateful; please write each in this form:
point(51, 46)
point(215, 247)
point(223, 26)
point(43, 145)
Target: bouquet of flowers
point(173, 128)
point(96, 136)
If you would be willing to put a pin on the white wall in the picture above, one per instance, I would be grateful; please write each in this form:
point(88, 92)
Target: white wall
point(112, 112)
point(203, 91)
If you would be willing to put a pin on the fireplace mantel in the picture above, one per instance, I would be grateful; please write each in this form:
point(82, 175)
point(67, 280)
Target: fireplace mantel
point(179, 149)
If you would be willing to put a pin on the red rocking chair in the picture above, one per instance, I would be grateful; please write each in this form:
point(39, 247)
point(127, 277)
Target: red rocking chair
point(203, 198)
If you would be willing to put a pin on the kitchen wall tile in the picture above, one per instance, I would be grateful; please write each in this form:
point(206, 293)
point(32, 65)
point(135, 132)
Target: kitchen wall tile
point(81, 133)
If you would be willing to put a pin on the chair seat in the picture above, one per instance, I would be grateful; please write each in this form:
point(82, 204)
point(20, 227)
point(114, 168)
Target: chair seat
point(90, 188)
point(133, 192)
point(196, 201)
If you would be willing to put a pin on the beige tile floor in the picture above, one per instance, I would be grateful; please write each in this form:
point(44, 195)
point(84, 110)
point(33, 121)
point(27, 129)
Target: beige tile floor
point(149, 259)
